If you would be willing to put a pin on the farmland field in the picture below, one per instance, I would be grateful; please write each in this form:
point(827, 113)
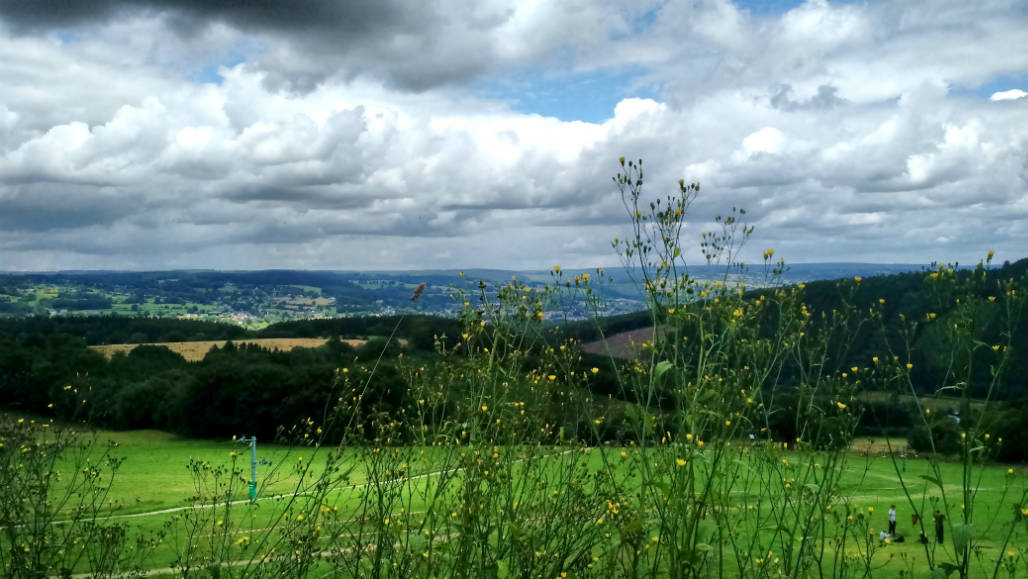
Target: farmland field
point(196, 350)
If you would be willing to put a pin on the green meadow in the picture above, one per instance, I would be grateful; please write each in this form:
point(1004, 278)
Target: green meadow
point(160, 489)
point(156, 473)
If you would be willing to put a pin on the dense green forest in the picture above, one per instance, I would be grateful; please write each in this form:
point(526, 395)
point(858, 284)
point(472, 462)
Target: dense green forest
point(46, 365)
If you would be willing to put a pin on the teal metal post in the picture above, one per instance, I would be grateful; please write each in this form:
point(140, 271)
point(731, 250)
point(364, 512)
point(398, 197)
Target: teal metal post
point(253, 465)
point(253, 468)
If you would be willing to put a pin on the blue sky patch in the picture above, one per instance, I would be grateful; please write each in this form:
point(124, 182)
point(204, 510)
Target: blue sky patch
point(589, 97)
point(1000, 83)
point(243, 51)
point(768, 7)
point(68, 35)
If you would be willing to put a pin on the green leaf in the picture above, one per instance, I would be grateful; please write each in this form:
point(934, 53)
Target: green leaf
point(705, 532)
point(932, 480)
point(662, 367)
point(962, 535)
point(633, 526)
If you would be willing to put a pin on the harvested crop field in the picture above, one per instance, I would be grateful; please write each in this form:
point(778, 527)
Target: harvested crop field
point(195, 351)
point(620, 345)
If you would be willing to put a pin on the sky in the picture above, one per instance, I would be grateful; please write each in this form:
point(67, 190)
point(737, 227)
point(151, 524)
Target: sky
point(388, 134)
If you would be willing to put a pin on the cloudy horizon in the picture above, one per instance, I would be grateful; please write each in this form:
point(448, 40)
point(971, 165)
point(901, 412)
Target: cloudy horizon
point(179, 134)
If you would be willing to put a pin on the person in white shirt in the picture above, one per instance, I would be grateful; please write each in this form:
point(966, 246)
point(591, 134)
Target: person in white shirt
point(892, 520)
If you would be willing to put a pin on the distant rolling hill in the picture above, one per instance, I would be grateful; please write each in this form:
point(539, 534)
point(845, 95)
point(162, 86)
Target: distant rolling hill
point(257, 298)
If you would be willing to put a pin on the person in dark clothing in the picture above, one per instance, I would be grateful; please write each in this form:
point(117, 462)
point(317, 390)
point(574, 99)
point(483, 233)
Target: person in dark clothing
point(940, 526)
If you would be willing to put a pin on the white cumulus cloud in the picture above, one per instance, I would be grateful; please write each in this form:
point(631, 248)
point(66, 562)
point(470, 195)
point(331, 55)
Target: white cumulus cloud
point(1008, 95)
point(174, 134)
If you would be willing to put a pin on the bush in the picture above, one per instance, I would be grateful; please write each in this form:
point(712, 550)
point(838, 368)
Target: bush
point(944, 431)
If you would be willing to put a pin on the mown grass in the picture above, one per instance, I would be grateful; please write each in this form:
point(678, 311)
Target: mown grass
point(157, 475)
point(163, 471)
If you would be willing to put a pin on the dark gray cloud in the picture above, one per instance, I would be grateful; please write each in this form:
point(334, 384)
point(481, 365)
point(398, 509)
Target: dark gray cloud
point(413, 45)
point(45, 207)
point(47, 14)
point(351, 18)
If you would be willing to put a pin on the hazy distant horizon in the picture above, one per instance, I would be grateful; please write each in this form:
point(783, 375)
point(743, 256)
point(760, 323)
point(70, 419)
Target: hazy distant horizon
point(568, 268)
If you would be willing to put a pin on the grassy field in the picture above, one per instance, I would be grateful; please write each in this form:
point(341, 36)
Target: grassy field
point(163, 475)
point(195, 351)
point(156, 474)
